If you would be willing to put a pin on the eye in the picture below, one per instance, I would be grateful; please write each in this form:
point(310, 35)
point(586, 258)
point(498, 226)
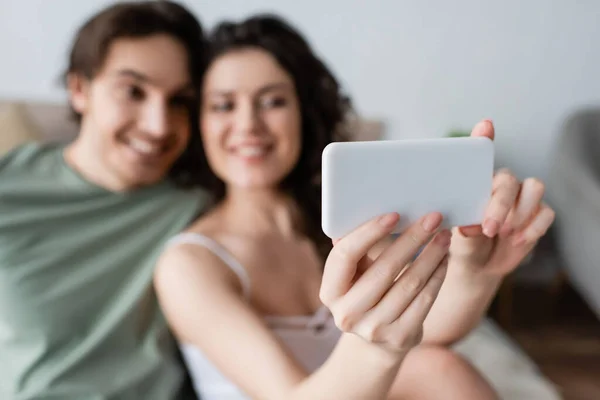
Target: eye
point(221, 106)
point(134, 92)
point(273, 102)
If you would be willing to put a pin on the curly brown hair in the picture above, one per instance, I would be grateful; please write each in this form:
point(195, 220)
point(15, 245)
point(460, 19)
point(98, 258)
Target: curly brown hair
point(323, 109)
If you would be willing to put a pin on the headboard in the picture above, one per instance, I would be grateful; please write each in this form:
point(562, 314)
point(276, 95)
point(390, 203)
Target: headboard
point(53, 122)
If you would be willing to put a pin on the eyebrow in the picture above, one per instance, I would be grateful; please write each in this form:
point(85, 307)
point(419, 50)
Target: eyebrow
point(138, 76)
point(267, 88)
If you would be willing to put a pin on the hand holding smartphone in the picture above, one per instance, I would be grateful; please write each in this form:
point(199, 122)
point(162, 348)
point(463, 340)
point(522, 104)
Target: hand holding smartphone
point(362, 180)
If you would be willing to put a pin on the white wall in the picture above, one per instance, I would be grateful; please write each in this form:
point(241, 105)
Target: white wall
point(424, 67)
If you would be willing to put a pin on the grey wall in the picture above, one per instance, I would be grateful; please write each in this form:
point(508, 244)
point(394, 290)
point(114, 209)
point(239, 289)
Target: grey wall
point(425, 67)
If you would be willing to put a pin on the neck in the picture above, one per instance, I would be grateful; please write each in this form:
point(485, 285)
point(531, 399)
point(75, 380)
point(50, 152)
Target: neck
point(86, 165)
point(84, 158)
point(261, 212)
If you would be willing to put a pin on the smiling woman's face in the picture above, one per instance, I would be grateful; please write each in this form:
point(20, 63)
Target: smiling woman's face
point(250, 119)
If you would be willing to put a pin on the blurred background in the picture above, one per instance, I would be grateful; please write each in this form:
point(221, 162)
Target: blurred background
point(424, 68)
point(415, 70)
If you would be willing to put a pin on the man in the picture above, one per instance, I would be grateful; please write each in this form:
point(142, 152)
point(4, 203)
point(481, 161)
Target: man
point(81, 224)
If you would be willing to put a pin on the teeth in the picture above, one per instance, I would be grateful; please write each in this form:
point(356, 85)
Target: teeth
point(144, 147)
point(251, 151)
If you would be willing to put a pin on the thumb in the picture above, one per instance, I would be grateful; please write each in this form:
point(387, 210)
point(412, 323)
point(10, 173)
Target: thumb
point(484, 128)
point(471, 231)
point(476, 247)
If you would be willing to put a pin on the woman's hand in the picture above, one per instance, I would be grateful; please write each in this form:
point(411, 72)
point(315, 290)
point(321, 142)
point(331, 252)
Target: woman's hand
point(481, 256)
point(515, 219)
point(368, 298)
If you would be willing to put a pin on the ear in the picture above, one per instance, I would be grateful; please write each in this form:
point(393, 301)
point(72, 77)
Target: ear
point(78, 87)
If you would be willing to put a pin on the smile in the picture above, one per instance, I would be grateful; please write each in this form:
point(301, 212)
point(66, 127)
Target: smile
point(252, 152)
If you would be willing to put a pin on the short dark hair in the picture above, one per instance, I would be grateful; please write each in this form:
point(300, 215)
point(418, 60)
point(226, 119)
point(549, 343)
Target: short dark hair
point(323, 107)
point(135, 20)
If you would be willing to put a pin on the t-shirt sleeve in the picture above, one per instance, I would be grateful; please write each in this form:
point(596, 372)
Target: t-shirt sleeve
point(16, 158)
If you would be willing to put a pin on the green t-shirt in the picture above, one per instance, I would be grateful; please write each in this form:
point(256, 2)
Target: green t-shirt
point(78, 315)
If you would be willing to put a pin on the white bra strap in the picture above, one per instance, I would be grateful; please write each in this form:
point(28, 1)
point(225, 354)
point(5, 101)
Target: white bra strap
point(236, 267)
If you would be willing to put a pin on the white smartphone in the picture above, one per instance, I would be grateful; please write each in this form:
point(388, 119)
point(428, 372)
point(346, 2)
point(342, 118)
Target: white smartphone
point(362, 180)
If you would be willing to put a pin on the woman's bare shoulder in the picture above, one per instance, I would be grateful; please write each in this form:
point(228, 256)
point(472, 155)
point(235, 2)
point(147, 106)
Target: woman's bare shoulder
point(234, 240)
point(188, 259)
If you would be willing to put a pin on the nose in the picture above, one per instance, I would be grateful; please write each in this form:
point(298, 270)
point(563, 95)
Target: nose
point(155, 119)
point(247, 118)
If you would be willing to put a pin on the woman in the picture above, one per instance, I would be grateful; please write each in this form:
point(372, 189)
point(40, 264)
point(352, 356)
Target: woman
point(263, 305)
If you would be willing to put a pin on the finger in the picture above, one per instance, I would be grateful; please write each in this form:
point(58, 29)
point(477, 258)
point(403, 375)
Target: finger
point(463, 246)
point(393, 259)
point(411, 320)
point(484, 128)
point(342, 262)
point(411, 282)
point(377, 280)
point(528, 204)
point(537, 228)
point(471, 230)
point(363, 265)
point(504, 194)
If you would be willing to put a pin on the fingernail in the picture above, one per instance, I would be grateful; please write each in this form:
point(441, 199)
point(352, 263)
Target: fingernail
point(482, 122)
point(519, 240)
point(431, 222)
point(388, 220)
point(444, 238)
point(490, 227)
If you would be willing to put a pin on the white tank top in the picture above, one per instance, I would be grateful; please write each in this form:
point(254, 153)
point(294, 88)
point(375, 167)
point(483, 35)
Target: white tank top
point(309, 338)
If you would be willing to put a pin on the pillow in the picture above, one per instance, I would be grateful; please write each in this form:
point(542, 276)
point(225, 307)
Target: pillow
point(16, 127)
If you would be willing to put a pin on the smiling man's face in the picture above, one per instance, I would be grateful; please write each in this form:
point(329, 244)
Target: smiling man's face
point(135, 112)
